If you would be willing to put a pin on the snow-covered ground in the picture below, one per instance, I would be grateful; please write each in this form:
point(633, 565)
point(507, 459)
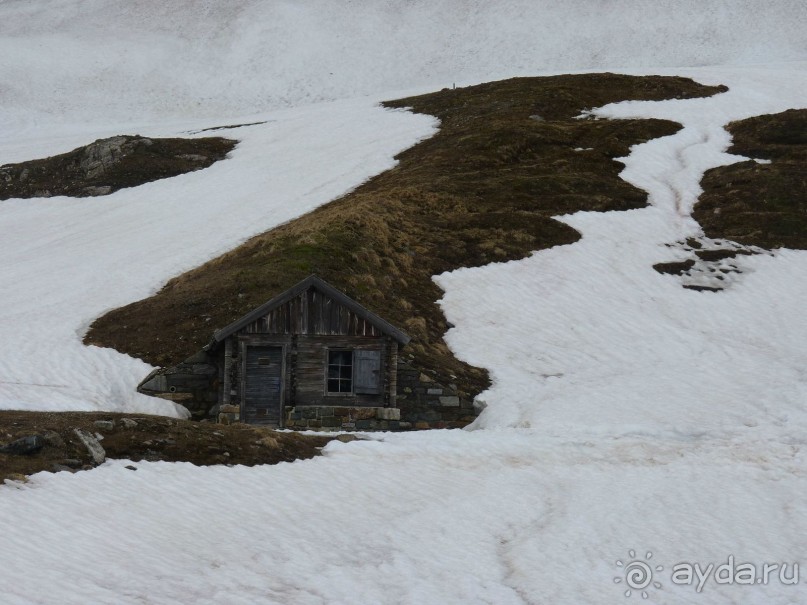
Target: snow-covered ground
point(607, 345)
point(67, 261)
point(626, 412)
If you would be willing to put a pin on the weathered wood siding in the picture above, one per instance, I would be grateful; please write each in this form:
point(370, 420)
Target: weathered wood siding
point(255, 341)
point(312, 313)
point(263, 385)
point(306, 327)
point(311, 368)
point(305, 368)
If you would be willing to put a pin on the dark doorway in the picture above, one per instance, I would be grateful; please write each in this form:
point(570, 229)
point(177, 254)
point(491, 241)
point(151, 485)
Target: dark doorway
point(263, 389)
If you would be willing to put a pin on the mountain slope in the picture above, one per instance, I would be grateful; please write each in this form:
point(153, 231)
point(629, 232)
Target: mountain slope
point(203, 58)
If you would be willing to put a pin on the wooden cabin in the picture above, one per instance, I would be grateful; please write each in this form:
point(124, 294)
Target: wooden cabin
point(310, 353)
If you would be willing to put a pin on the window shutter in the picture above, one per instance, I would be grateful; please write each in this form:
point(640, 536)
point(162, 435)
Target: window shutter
point(367, 372)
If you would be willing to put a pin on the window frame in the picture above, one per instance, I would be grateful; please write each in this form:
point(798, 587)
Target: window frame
point(328, 364)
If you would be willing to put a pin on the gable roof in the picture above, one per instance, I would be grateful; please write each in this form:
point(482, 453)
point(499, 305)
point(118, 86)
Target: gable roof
point(311, 281)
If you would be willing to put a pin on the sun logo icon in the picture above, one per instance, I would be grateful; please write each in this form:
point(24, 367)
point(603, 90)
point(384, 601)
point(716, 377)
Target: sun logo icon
point(638, 574)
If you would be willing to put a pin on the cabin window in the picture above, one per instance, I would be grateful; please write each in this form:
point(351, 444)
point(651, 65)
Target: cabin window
point(354, 371)
point(340, 371)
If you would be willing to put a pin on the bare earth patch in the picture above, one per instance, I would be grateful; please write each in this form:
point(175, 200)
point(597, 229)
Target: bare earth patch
point(31, 442)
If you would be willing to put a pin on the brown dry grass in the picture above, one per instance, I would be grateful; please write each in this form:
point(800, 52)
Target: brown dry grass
point(482, 190)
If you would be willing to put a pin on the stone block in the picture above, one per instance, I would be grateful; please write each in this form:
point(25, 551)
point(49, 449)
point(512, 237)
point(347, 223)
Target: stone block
point(424, 378)
point(310, 412)
point(331, 421)
point(326, 412)
point(364, 413)
point(104, 425)
point(451, 401)
point(422, 425)
point(388, 413)
point(434, 391)
point(363, 425)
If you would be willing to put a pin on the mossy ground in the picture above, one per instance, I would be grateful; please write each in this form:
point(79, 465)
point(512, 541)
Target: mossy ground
point(149, 160)
point(760, 204)
point(509, 155)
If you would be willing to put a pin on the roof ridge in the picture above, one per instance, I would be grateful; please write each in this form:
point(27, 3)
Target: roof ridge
point(311, 281)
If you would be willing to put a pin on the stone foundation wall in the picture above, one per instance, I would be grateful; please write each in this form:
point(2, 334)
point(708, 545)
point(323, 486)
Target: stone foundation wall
point(345, 419)
point(422, 402)
point(193, 383)
point(329, 418)
point(427, 404)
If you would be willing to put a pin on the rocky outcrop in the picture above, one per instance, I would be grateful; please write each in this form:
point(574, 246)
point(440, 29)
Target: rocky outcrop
point(107, 165)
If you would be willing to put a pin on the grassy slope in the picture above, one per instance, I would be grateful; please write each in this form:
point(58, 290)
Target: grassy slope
point(760, 204)
point(482, 190)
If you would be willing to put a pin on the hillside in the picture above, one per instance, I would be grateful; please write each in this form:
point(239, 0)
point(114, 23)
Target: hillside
point(631, 422)
point(763, 204)
point(508, 157)
point(200, 59)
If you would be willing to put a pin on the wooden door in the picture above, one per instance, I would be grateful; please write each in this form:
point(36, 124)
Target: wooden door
point(263, 393)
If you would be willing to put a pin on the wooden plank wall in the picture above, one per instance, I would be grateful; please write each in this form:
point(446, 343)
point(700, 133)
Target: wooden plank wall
point(312, 313)
point(311, 363)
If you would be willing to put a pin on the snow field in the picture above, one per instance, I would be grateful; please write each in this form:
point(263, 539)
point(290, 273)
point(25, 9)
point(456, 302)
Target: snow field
point(451, 517)
point(71, 260)
point(626, 412)
point(68, 59)
point(604, 344)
